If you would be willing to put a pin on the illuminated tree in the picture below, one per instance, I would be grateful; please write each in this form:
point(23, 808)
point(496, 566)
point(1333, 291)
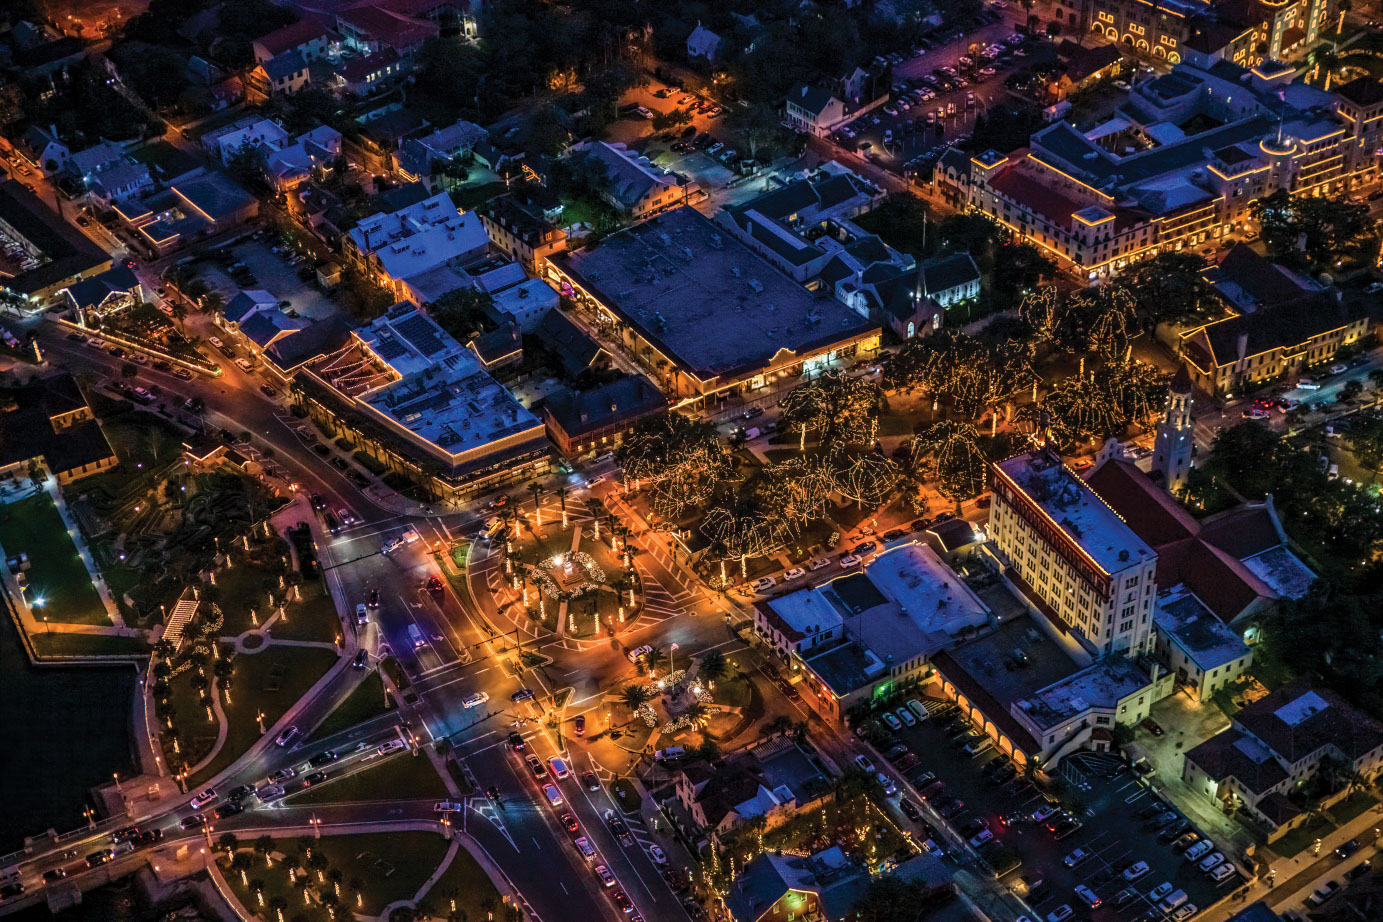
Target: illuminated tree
point(950, 452)
point(743, 532)
point(867, 479)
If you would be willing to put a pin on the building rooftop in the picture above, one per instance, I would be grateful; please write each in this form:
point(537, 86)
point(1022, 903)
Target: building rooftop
point(27, 431)
point(846, 667)
point(706, 300)
point(439, 391)
point(420, 236)
point(52, 250)
point(629, 397)
point(1104, 685)
point(1281, 570)
point(632, 176)
point(1075, 508)
point(1203, 637)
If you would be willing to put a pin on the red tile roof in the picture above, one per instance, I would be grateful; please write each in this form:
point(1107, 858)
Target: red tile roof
point(1149, 510)
point(1024, 190)
point(293, 36)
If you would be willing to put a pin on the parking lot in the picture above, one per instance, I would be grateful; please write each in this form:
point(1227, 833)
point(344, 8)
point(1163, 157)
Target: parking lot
point(272, 271)
point(938, 93)
point(1113, 820)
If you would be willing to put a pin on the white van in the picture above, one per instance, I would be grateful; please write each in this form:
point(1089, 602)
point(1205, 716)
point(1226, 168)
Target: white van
point(978, 746)
point(919, 710)
point(1172, 901)
point(670, 753)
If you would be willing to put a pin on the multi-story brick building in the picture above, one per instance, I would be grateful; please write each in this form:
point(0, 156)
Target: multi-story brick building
point(1072, 555)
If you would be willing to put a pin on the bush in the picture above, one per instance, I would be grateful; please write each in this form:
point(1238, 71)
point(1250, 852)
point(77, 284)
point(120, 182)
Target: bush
point(370, 464)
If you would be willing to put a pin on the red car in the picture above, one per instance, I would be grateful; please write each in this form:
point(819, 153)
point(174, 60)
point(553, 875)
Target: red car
point(580, 722)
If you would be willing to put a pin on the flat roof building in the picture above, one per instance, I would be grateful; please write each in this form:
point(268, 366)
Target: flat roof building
point(858, 634)
point(1205, 653)
point(40, 253)
point(422, 404)
point(395, 246)
point(710, 317)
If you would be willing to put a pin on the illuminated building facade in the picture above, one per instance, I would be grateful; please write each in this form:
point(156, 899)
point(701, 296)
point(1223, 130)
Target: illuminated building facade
point(1179, 164)
point(1073, 556)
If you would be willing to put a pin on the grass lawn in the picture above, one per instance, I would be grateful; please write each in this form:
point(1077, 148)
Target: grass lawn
point(56, 574)
point(734, 690)
point(239, 589)
point(467, 883)
point(1302, 837)
point(382, 867)
point(269, 681)
point(468, 197)
point(313, 617)
point(360, 705)
point(1352, 806)
point(87, 645)
point(402, 777)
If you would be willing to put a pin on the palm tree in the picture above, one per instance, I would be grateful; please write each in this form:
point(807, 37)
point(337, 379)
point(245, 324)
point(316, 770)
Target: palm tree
point(631, 696)
point(228, 842)
point(697, 714)
point(562, 498)
point(713, 665)
point(263, 845)
point(537, 491)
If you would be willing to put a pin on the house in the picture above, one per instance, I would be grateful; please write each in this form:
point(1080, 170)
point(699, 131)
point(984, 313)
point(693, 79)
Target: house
point(312, 155)
point(361, 75)
point(44, 150)
point(576, 351)
point(418, 156)
point(821, 110)
point(311, 37)
point(50, 422)
point(108, 173)
point(637, 189)
point(1276, 744)
point(522, 225)
point(249, 133)
point(111, 292)
point(502, 347)
point(949, 280)
point(703, 43)
point(371, 28)
point(525, 304)
point(254, 316)
point(774, 779)
point(1205, 653)
point(282, 74)
point(596, 420)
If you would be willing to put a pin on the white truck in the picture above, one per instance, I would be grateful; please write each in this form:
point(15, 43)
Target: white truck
point(408, 536)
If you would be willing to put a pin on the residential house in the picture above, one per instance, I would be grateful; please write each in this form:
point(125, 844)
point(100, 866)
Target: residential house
point(256, 319)
point(249, 133)
point(418, 156)
point(311, 37)
point(703, 43)
point(371, 28)
point(42, 147)
point(821, 110)
point(595, 420)
point(312, 155)
point(774, 779)
point(1276, 744)
point(281, 75)
point(522, 225)
point(499, 348)
point(638, 189)
point(49, 421)
point(108, 173)
point(362, 75)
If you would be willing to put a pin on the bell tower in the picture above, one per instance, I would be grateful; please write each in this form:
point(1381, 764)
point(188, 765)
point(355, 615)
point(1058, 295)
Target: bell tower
point(1172, 452)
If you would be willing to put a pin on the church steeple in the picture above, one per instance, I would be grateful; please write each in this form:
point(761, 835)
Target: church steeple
point(1172, 452)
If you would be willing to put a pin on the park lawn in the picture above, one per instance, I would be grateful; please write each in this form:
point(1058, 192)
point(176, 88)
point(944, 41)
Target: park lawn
point(269, 681)
point(360, 705)
point(469, 196)
point(386, 866)
point(734, 690)
point(399, 777)
point(312, 617)
point(56, 574)
point(88, 645)
point(466, 882)
point(238, 589)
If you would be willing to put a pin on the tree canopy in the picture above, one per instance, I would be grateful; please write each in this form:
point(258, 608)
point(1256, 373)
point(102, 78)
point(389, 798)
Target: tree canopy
point(1320, 229)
